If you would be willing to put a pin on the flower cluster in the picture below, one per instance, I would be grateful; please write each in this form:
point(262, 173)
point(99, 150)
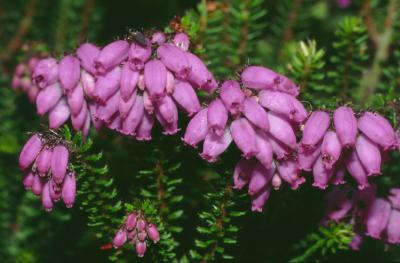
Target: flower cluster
point(22, 78)
point(360, 146)
point(125, 85)
point(369, 214)
point(261, 118)
point(44, 161)
point(137, 231)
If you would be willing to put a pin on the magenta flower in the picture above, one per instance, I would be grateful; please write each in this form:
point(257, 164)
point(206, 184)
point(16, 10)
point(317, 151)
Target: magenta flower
point(48, 98)
point(88, 84)
point(111, 56)
point(78, 121)
point(68, 192)
point(307, 158)
point(141, 249)
point(138, 55)
point(43, 161)
point(129, 80)
point(281, 130)
point(135, 116)
point(45, 72)
point(393, 227)
point(322, 175)
point(69, 72)
point(168, 110)
point(155, 77)
point(199, 75)
point(215, 145)
point(158, 38)
point(330, 149)
point(217, 117)
point(377, 218)
point(120, 238)
point(125, 106)
point(152, 233)
point(242, 173)
point(28, 179)
point(47, 201)
point(59, 163)
point(30, 151)
point(257, 77)
point(75, 99)
point(258, 200)
point(197, 129)
point(255, 114)
point(245, 137)
point(289, 172)
point(346, 126)
point(107, 85)
point(175, 59)
point(182, 41)
point(186, 97)
point(232, 96)
point(356, 170)
point(259, 178)
point(369, 155)
point(314, 129)
point(264, 148)
point(87, 53)
point(143, 131)
point(59, 114)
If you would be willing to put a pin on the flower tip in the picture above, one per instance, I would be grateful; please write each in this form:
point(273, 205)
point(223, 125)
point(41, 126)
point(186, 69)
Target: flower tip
point(320, 186)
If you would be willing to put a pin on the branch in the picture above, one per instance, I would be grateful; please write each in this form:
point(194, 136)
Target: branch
point(369, 22)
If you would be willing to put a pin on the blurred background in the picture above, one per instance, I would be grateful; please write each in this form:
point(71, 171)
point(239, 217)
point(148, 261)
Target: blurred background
point(338, 51)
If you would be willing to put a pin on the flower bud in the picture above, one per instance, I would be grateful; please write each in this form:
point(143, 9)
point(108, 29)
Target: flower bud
point(141, 225)
point(129, 80)
point(68, 191)
point(48, 98)
point(69, 72)
point(182, 41)
point(242, 172)
point(170, 86)
point(377, 218)
point(245, 137)
point(109, 109)
point(126, 105)
point(281, 130)
point(107, 85)
point(115, 123)
point(315, 129)
point(111, 56)
point(322, 175)
point(378, 130)
point(199, 75)
point(87, 53)
point(197, 129)
point(143, 131)
point(155, 78)
point(264, 154)
point(138, 55)
point(37, 185)
point(356, 170)
point(393, 227)
point(215, 145)
point(131, 221)
point(43, 161)
point(307, 158)
point(278, 102)
point(168, 110)
point(47, 202)
point(134, 117)
point(345, 125)
point(232, 96)
point(217, 117)
point(59, 114)
point(120, 238)
point(75, 99)
point(258, 201)
point(152, 232)
point(330, 149)
point(30, 151)
point(255, 114)
point(276, 181)
point(29, 176)
point(158, 38)
point(257, 77)
point(33, 93)
point(78, 121)
point(175, 60)
point(260, 178)
point(59, 163)
point(45, 73)
point(88, 84)
point(186, 97)
point(369, 155)
point(289, 172)
point(140, 249)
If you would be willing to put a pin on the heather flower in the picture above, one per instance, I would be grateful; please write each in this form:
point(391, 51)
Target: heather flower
point(69, 72)
point(278, 102)
point(155, 77)
point(242, 173)
point(28, 179)
point(343, 3)
point(59, 163)
point(87, 53)
point(377, 217)
point(244, 136)
point(175, 60)
point(306, 159)
point(138, 55)
point(258, 201)
point(43, 161)
point(168, 110)
point(369, 155)
point(289, 172)
point(126, 105)
point(217, 117)
point(129, 80)
point(330, 149)
point(356, 170)
point(280, 150)
point(338, 175)
point(259, 178)
point(232, 96)
point(75, 99)
point(68, 192)
point(37, 185)
point(143, 131)
point(322, 175)
point(59, 114)
point(345, 125)
point(199, 75)
point(394, 197)
point(107, 85)
point(109, 109)
point(215, 145)
point(141, 249)
point(111, 56)
point(182, 41)
point(120, 238)
point(186, 97)
point(264, 149)
point(88, 83)
point(45, 72)
point(30, 151)
point(152, 233)
point(78, 121)
point(170, 86)
point(48, 98)
point(257, 77)
point(255, 114)
point(281, 130)
point(147, 103)
point(47, 201)
point(134, 117)
point(197, 129)
point(158, 38)
point(314, 129)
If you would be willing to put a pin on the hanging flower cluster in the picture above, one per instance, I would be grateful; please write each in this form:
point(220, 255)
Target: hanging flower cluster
point(369, 214)
point(22, 79)
point(44, 160)
point(137, 231)
point(261, 118)
point(358, 146)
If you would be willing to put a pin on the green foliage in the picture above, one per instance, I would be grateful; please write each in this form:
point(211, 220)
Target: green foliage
point(327, 240)
point(218, 229)
point(349, 57)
